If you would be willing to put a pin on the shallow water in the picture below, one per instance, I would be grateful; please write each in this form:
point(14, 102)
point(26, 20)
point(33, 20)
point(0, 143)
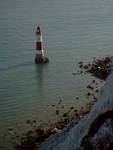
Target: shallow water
point(69, 139)
point(73, 31)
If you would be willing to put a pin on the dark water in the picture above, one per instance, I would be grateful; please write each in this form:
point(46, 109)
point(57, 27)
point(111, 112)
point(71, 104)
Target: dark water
point(73, 31)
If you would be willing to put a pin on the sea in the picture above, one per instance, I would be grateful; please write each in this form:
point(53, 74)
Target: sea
point(73, 31)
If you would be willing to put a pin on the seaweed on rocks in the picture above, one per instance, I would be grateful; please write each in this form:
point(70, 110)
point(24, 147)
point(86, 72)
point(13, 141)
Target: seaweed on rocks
point(100, 67)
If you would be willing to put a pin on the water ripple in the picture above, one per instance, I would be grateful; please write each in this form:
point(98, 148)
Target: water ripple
point(16, 66)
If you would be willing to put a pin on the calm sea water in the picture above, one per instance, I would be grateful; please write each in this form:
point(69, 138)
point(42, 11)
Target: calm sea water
point(73, 31)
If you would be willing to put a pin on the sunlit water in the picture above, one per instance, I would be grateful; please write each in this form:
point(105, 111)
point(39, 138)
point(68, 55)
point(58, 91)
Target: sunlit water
point(73, 31)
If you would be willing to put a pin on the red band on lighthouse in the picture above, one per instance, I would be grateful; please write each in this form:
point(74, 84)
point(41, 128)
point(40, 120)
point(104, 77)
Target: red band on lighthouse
point(39, 46)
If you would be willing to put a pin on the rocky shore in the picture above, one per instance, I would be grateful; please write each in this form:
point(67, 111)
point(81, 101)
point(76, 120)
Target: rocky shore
point(29, 140)
point(100, 68)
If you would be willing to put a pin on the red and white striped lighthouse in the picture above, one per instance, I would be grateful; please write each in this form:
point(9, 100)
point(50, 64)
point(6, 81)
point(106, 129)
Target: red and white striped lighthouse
point(39, 44)
point(40, 58)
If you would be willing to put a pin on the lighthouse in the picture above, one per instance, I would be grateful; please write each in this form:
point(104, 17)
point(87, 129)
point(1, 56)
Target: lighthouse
point(40, 58)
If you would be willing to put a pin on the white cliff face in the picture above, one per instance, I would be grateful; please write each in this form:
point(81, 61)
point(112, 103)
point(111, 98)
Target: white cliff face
point(71, 137)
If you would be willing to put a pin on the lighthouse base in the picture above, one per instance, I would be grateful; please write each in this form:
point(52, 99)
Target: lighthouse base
point(41, 59)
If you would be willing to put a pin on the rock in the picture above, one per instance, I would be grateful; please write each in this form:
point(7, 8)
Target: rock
point(10, 129)
point(72, 107)
point(85, 67)
point(93, 81)
point(90, 87)
point(65, 114)
point(57, 112)
point(75, 110)
point(34, 121)
point(77, 114)
point(97, 90)
point(81, 66)
point(28, 122)
point(56, 130)
point(88, 94)
point(80, 62)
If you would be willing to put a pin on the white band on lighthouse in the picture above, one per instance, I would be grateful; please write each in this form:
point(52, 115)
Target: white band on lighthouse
point(40, 52)
point(39, 38)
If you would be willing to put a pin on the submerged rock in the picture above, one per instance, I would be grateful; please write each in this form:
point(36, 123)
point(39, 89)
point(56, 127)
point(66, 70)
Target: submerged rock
point(57, 112)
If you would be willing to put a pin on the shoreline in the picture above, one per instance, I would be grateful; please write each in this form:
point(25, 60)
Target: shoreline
point(40, 134)
point(99, 68)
